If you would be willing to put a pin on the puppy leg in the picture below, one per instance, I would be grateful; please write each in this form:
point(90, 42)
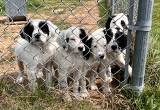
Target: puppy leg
point(76, 85)
point(83, 93)
point(121, 62)
point(92, 84)
point(105, 74)
point(48, 75)
point(32, 78)
point(20, 77)
point(62, 81)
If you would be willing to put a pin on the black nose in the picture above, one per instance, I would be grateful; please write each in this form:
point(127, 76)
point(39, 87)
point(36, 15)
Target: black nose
point(37, 35)
point(101, 56)
point(80, 48)
point(114, 47)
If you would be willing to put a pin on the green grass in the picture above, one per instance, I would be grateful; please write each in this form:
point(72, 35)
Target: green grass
point(150, 98)
point(103, 13)
point(15, 97)
point(2, 8)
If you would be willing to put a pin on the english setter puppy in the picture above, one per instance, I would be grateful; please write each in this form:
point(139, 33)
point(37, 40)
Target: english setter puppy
point(94, 60)
point(68, 58)
point(35, 49)
point(116, 36)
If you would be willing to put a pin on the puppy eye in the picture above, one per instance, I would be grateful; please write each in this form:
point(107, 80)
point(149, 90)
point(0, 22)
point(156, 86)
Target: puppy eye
point(105, 45)
point(72, 39)
point(95, 46)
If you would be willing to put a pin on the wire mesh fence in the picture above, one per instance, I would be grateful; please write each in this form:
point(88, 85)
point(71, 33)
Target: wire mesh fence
point(76, 67)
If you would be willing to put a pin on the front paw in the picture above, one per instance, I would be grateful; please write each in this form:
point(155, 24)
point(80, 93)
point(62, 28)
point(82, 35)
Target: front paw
point(94, 87)
point(77, 96)
point(84, 94)
point(20, 79)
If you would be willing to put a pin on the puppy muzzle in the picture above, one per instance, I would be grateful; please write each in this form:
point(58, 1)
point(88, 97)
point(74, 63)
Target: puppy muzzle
point(81, 48)
point(101, 56)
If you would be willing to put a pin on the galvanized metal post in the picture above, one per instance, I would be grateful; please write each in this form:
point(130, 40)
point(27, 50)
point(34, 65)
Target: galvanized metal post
point(143, 26)
point(110, 4)
point(15, 9)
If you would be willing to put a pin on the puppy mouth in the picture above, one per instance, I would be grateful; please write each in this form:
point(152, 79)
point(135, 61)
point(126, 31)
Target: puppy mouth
point(37, 42)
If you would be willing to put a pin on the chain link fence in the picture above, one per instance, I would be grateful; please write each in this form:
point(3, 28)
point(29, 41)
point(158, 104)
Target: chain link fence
point(64, 14)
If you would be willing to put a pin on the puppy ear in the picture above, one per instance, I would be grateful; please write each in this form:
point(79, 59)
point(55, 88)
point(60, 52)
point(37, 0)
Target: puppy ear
point(109, 21)
point(88, 44)
point(124, 24)
point(43, 25)
point(26, 32)
point(122, 41)
point(83, 35)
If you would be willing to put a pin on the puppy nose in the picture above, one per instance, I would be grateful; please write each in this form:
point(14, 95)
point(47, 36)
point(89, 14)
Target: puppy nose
point(37, 35)
point(114, 47)
point(101, 56)
point(80, 48)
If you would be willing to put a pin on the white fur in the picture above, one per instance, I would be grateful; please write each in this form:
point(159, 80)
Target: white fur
point(95, 62)
point(68, 59)
point(34, 55)
point(118, 56)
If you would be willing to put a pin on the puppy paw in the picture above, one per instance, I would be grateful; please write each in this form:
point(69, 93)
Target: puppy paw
point(77, 96)
point(40, 74)
point(94, 87)
point(20, 79)
point(84, 94)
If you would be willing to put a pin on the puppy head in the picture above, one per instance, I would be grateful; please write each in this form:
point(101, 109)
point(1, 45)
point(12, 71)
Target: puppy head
point(118, 21)
point(98, 46)
point(116, 40)
point(72, 39)
point(35, 32)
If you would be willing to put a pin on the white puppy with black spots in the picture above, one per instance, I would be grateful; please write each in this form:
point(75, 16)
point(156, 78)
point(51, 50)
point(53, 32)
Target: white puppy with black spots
point(35, 49)
point(115, 33)
point(68, 59)
point(95, 58)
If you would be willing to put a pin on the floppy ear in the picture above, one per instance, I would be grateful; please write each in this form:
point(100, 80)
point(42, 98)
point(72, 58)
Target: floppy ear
point(87, 52)
point(87, 42)
point(122, 41)
point(109, 21)
point(83, 35)
point(124, 24)
point(43, 25)
point(26, 32)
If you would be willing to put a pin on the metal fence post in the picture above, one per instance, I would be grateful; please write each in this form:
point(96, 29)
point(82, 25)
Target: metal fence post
point(16, 9)
point(143, 26)
point(110, 4)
